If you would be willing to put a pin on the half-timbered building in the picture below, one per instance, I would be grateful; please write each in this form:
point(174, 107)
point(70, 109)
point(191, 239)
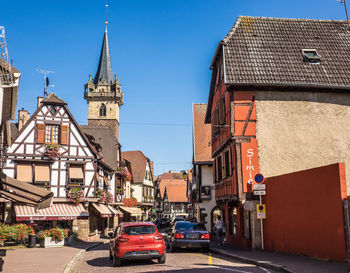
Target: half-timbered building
point(51, 151)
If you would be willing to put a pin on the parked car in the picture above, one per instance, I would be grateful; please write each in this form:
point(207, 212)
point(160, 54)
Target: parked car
point(189, 235)
point(136, 240)
point(177, 219)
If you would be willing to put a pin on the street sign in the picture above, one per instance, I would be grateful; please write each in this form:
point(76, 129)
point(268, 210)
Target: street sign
point(259, 178)
point(261, 211)
point(259, 186)
point(259, 192)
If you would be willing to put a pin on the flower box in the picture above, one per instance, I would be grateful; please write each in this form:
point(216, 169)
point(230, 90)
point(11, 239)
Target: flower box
point(47, 242)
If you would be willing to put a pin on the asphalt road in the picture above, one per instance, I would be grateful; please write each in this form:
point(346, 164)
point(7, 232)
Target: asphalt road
point(187, 261)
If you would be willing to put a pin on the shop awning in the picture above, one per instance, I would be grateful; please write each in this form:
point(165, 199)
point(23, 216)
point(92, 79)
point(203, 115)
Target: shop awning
point(106, 210)
point(133, 211)
point(58, 211)
point(23, 192)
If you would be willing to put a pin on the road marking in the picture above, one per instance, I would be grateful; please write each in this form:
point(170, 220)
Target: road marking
point(210, 259)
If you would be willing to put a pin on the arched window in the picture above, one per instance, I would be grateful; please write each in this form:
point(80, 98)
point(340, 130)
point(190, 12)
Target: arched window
point(103, 110)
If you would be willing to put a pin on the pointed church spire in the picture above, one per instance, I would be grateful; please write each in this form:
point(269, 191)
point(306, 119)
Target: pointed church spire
point(104, 70)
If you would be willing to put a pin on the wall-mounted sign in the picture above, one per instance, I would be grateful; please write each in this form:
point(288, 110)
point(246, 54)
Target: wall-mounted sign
point(261, 211)
point(250, 164)
point(259, 178)
point(205, 190)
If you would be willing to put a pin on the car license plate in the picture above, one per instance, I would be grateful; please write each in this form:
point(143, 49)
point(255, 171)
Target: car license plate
point(192, 236)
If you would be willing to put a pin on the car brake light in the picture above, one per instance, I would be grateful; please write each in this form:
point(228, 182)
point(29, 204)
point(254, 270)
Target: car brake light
point(205, 236)
point(179, 236)
point(122, 239)
point(158, 237)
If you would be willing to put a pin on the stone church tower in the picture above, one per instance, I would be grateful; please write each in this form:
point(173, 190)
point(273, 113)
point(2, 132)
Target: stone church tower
point(103, 93)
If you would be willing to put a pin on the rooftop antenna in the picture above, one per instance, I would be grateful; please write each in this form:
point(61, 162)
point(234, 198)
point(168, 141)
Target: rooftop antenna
point(5, 70)
point(46, 80)
point(346, 11)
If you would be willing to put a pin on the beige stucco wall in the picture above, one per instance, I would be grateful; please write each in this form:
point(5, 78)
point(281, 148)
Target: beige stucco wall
point(302, 130)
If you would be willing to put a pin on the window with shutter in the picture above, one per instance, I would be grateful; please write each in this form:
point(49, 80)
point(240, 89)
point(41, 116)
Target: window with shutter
point(227, 163)
point(64, 134)
point(222, 114)
point(219, 168)
point(24, 172)
point(41, 174)
point(51, 134)
point(76, 174)
point(40, 132)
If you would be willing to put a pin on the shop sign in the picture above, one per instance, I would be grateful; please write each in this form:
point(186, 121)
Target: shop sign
point(250, 164)
point(261, 211)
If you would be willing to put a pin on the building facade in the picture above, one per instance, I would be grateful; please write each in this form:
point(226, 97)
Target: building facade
point(203, 191)
point(275, 83)
point(51, 151)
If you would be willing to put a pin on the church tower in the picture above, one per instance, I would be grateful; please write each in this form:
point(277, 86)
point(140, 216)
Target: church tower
point(103, 93)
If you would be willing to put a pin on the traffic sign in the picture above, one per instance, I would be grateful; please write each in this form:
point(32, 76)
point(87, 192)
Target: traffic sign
point(259, 192)
point(261, 211)
point(259, 178)
point(259, 186)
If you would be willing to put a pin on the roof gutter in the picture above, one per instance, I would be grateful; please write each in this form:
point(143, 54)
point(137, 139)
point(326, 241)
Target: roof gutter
point(289, 85)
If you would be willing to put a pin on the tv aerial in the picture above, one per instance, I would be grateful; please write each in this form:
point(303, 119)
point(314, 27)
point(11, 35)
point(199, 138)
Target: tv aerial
point(46, 80)
point(346, 11)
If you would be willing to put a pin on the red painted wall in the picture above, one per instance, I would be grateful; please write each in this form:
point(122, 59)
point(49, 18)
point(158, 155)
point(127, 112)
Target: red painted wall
point(305, 212)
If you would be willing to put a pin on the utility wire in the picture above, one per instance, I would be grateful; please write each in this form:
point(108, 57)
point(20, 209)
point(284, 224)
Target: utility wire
point(155, 124)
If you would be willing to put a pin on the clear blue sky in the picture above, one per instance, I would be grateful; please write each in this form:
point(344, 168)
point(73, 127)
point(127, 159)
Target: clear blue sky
point(160, 49)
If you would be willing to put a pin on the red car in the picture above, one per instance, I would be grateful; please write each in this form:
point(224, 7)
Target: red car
point(136, 240)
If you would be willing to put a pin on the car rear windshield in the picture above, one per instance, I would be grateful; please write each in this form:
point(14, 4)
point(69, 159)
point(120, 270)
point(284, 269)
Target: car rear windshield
point(182, 226)
point(140, 230)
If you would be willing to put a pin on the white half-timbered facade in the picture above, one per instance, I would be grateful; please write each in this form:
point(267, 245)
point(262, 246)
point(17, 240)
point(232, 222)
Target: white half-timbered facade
point(51, 151)
point(76, 165)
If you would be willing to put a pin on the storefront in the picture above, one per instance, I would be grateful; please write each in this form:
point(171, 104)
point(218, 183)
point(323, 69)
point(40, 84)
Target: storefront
point(131, 214)
point(64, 215)
point(103, 218)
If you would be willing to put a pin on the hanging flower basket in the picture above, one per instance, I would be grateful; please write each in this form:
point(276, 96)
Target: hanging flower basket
point(104, 196)
point(52, 151)
point(76, 195)
point(122, 172)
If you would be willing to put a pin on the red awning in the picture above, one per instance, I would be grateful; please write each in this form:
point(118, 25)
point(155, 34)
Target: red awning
point(58, 211)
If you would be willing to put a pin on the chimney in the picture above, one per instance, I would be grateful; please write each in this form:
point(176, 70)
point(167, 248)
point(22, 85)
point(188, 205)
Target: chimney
point(23, 117)
point(39, 100)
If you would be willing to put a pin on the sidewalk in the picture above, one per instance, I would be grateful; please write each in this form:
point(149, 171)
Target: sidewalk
point(42, 260)
point(281, 261)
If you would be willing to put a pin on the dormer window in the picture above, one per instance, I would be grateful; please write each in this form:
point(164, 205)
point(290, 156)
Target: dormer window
point(311, 56)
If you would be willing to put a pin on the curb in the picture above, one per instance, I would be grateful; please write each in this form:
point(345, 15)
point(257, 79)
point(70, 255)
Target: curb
point(269, 265)
point(77, 257)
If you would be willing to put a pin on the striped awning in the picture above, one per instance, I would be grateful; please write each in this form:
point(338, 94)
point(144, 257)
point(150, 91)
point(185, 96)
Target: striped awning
point(106, 210)
point(58, 211)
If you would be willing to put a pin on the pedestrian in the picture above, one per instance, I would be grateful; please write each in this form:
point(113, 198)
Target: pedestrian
point(219, 230)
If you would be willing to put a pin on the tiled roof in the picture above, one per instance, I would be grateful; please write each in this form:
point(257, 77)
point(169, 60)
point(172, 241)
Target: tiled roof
point(201, 134)
point(177, 193)
point(138, 164)
point(171, 175)
point(267, 51)
point(105, 137)
point(170, 182)
point(52, 98)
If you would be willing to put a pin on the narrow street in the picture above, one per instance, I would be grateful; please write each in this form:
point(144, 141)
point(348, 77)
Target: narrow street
point(186, 261)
